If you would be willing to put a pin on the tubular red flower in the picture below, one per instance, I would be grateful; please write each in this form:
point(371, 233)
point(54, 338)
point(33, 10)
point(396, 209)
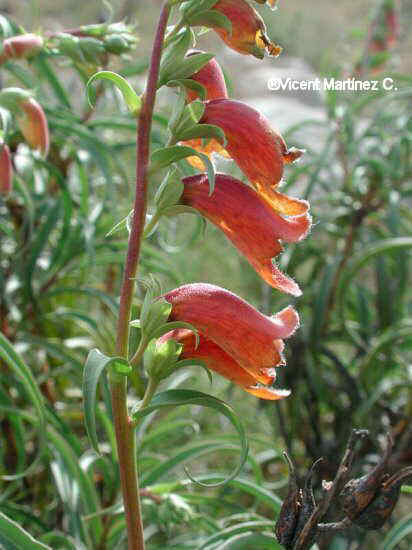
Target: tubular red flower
point(6, 170)
point(249, 222)
point(252, 339)
point(216, 359)
point(211, 77)
point(260, 152)
point(248, 34)
point(33, 125)
point(23, 45)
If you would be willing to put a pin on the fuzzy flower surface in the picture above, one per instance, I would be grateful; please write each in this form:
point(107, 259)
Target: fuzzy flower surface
point(258, 149)
point(217, 360)
point(253, 340)
point(249, 222)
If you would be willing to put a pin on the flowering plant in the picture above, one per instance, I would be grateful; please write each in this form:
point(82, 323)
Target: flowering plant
point(65, 258)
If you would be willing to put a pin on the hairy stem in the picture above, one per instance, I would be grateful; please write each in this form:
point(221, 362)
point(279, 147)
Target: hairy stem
point(125, 436)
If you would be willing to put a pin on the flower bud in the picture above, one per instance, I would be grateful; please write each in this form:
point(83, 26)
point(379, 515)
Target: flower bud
point(6, 171)
point(33, 125)
point(160, 357)
point(22, 46)
point(116, 43)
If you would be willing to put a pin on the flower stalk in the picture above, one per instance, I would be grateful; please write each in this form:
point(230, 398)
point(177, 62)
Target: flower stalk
point(125, 437)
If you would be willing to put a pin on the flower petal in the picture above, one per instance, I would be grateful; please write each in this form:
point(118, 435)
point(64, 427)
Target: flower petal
point(248, 34)
point(249, 223)
point(248, 336)
point(216, 359)
point(259, 150)
point(272, 394)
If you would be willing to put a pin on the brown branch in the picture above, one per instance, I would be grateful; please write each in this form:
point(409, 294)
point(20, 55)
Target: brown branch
point(305, 538)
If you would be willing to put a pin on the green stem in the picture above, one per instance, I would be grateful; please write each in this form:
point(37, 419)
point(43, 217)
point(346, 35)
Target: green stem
point(125, 434)
point(150, 390)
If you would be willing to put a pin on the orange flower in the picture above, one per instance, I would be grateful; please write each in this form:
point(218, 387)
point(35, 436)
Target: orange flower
point(252, 339)
point(271, 3)
point(249, 222)
point(216, 359)
point(6, 170)
point(33, 125)
point(211, 77)
point(23, 45)
point(248, 34)
point(260, 152)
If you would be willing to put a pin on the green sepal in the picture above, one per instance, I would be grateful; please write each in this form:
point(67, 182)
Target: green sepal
point(191, 7)
point(207, 131)
point(154, 313)
point(92, 49)
point(191, 115)
point(168, 155)
point(173, 56)
point(212, 19)
point(169, 191)
point(69, 45)
point(11, 98)
point(116, 43)
point(159, 359)
point(191, 84)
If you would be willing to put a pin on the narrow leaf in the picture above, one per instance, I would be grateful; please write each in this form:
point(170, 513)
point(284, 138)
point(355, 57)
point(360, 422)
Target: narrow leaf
point(96, 362)
point(130, 96)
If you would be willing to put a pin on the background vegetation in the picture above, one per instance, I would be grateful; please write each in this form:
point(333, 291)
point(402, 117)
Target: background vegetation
point(348, 366)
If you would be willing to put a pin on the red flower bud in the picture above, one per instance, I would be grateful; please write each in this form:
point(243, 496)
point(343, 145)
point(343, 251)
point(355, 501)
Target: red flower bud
point(248, 29)
point(260, 152)
point(211, 77)
point(23, 45)
point(252, 339)
point(33, 125)
point(256, 232)
point(6, 170)
point(216, 359)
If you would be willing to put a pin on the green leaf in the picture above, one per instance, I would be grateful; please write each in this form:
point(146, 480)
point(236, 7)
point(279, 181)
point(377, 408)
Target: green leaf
point(166, 156)
point(176, 398)
point(398, 532)
point(237, 529)
point(14, 537)
point(173, 56)
point(247, 541)
point(62, 541)
point(194, 451)
point(52, 79)
point(24, 374)
point(383, 246)
point(130, 96)
point(96, 362)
